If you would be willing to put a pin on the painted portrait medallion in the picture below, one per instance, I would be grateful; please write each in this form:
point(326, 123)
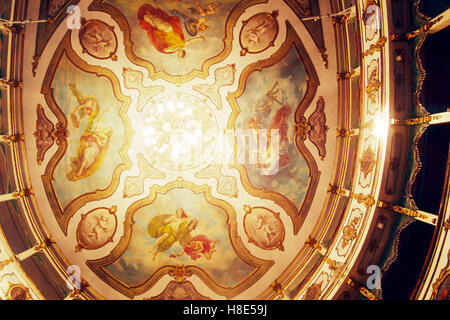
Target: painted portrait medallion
point(96, 228)
point(259, 32)
point(98, 39)
point(264, 228)
point(173, 38)
point(173, 231)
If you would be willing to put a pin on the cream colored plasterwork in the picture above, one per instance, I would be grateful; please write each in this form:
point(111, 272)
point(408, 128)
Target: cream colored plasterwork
point(374, 106)
point(238, 199)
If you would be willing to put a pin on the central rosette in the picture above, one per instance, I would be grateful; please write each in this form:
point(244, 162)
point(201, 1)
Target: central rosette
point(180, 131)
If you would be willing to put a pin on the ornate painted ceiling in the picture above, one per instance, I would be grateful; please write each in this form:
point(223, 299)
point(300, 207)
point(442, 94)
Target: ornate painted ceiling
point(222, 150)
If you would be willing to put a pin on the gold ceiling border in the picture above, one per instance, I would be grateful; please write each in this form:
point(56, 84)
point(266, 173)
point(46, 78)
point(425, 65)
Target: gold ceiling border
point(232, 19)
point(63, 215)
point(170, 292)
point(261, 266)
point(292, 42)
point(354, 232)
point(432, 279)
point(443, 275)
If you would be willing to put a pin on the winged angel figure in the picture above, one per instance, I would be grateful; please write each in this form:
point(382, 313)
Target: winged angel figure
point(198, 22)
point(171, 228)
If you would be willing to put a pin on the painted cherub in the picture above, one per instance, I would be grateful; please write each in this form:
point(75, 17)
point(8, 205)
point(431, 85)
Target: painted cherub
point(265, 103)
point(198, 24)
point(255, 34)
point(101, 225)
point(267, 227)
point(97, 39)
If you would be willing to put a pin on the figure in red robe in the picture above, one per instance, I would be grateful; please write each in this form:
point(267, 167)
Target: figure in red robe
point(279, 122)
point(164, 31)
point(198, 246)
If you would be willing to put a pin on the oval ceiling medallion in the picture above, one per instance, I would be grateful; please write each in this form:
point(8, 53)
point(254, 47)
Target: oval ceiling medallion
point(98, 39)
point(96, 228)
point(259, 32)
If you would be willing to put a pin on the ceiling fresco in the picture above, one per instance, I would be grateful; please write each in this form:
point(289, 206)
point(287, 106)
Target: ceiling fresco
point(193, 149)
point(173, 38)
point(214, 150)
point(181, 133)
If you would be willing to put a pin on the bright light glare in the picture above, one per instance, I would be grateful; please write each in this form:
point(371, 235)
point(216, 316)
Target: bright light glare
point(380, 125)
point(184, 150)
point(173, 130)
point(191, 139)
point(175, 154)
point(171, 106)
point(198, 133)
point(148, 131)
point(148, 120)
point(167, 127)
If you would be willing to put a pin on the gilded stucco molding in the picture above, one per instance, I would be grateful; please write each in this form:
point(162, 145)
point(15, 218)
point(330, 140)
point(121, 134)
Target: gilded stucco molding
point(297, 213)
point(101, 5)
point(440, 288)
point(260, 266)
point(63, 215)
point(345, 247)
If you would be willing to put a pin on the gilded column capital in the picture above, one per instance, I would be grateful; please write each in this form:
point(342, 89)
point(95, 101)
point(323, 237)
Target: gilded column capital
point(23, 193)
point(277, 288)
point(13, 138)
point(367, 200)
